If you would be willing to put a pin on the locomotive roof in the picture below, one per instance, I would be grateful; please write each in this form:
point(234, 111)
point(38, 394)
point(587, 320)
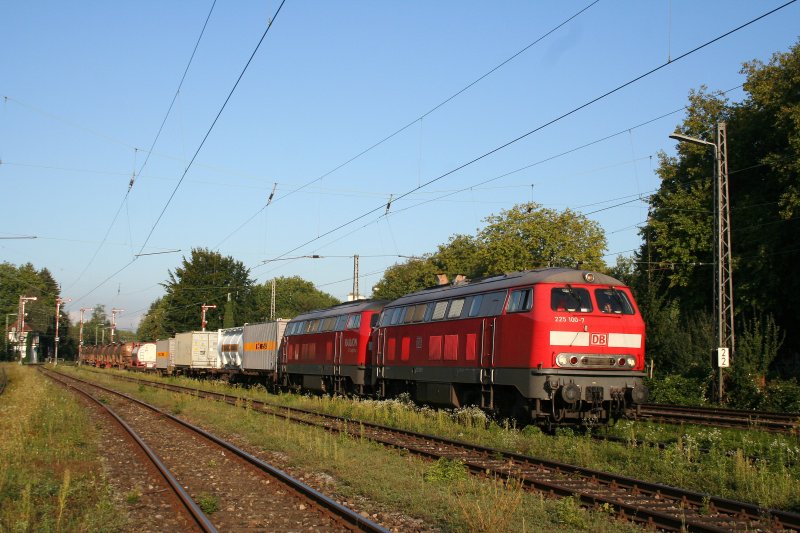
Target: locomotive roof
point(505, 281)
point(343, 308)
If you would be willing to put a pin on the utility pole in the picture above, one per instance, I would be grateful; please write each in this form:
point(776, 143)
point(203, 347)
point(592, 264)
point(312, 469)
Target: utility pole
point(272, 301)
point(114, 322)
point(203, 316)
point(355, 277)
point(723, 273)
point(21, 337)
point(80, 333)
point(59, 301)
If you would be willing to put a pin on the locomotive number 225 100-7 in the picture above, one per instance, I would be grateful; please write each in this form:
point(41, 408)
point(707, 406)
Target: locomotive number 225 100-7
point(571, 319)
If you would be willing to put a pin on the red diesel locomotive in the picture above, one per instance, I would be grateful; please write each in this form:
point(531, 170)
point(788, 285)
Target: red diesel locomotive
point(550, 345)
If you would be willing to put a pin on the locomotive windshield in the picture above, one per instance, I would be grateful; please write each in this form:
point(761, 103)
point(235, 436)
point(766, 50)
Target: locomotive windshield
point(570, 299)
point(613, 301)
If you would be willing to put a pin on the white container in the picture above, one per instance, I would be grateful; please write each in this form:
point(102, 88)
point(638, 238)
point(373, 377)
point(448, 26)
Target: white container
point(146, 355)
point(230, 347)
point(197, 349)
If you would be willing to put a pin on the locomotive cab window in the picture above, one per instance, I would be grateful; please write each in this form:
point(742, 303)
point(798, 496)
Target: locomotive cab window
point(570, 299)
point(613, 301)
point(520, 300)
point(354, 322)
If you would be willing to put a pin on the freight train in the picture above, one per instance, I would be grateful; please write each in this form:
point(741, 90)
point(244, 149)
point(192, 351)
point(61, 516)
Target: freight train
point(550, 346)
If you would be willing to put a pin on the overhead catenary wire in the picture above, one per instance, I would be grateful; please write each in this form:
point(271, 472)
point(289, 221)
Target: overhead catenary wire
point(124, 201)
point(547, 124)
point(197, 151)
point(418, 119)
point(213, 123)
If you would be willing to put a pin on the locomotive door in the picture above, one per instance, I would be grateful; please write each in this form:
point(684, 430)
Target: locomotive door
point(337, 361)
point(380, 362)
point(487, 362)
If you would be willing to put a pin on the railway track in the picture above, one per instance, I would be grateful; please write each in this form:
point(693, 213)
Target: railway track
point(650, 504)
point(719, 417)
point(247, 492)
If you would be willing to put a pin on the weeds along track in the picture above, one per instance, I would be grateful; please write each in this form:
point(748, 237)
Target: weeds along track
point(189, 516)
point(718, 417)
point(238, 491)
point(652, 504)
point(3, 380)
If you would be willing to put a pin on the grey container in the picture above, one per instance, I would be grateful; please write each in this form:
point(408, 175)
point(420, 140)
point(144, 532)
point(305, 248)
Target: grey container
point(165, 353)
point(196, 349)
point(261, 344)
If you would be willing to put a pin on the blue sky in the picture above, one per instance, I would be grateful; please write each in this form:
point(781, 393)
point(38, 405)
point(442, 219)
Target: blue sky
point(86, 85)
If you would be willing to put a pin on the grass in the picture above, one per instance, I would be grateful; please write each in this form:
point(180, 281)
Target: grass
point(727, 470)
point(382, 481)
point(49, 473)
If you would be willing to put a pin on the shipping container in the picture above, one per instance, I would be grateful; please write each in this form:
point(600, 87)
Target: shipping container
point(261, 343)
point(230, 348)
point(165, 354)
point(144, 355)
point(197, 349)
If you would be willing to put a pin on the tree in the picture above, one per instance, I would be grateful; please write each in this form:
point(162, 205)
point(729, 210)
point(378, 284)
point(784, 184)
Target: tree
point(207, 278)
point(530, 236)
point(25, 280)
point(763, 140)
point(524, 237)
point(152, 326)
point(404, 278)
point(293, 295)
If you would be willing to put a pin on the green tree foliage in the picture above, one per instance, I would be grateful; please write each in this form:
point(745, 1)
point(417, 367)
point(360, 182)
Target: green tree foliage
point(25, 280)
point(152, 326)
point(293, 295)
point(207, 277)
point(524, 237)
point(411, 276)
point(763, 146)
point(530, 236)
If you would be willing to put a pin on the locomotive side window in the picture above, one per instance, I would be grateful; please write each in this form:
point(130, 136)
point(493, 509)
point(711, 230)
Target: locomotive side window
point(312, 326)
point(341, 321)
point(613, 301)
point(493, 303)
point(520, 300)
point(398, 315)
point(419, 312)
point(456, 306)
point(354, 322)
point(428, 312)
point(474, 305)
point(438, 310)
point(328, 323)
point(571, 300)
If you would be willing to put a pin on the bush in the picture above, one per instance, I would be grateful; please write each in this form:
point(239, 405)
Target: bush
point(677, 390)
point(782, 396)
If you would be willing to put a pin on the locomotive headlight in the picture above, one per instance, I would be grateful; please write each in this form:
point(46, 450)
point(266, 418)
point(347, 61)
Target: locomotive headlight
point(631, 361)
point(562, 359)
point(588, 276)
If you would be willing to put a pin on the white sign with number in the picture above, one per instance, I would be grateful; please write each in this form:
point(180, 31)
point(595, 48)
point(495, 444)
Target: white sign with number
point(723, 357)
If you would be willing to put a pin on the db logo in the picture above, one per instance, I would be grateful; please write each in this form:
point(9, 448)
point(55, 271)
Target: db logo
point(599, 339)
